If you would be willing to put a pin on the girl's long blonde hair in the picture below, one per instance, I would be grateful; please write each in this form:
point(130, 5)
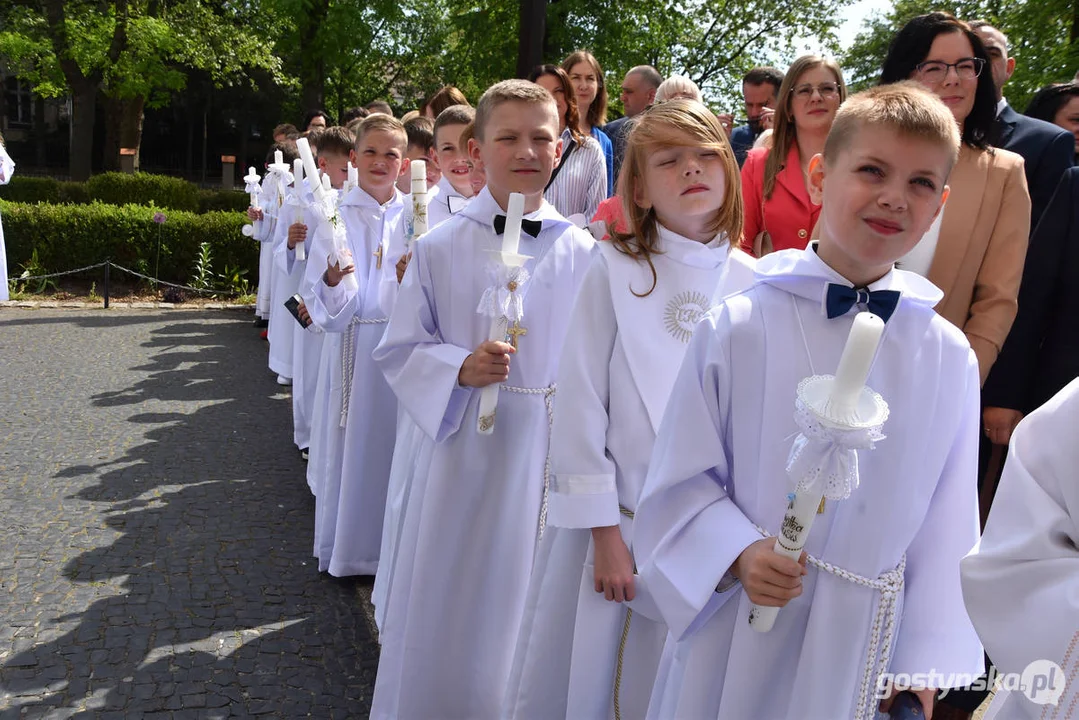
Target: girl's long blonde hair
point(783, 132)
point(675, 123)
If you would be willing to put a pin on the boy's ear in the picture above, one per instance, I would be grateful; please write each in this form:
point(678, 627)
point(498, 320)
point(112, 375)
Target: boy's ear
point(943, 199)
point(474, 150)
point(558, 153)
point(322, 164)
point(352, 157)
point(815, 185)
point(406, 163)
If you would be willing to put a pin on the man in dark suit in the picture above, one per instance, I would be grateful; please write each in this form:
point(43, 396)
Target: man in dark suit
point(638, 92)
point(1047, 149)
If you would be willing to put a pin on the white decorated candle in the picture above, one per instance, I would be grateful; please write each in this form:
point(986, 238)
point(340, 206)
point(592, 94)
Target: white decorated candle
point(515, 211)
point(353, 176)
point(854, 365)
point(419, 198)
point(278, 157)
point(309, 168)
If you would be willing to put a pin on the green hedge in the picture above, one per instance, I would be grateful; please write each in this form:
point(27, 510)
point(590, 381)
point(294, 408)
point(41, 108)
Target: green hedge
point(71, 236)
point(121, 189)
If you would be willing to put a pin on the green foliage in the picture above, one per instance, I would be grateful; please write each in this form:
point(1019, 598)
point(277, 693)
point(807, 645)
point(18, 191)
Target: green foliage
point(69, 236)
point(203, 268)
point(33, 268)
point(223, 201)
point(1042, 35)
point(117, 188)
point(120, 189)
point(235, 280)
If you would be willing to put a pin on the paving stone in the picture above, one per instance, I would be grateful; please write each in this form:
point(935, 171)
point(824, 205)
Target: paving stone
point(155, 522)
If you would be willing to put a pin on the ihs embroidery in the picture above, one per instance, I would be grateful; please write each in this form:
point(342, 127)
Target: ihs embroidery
point(683, 312)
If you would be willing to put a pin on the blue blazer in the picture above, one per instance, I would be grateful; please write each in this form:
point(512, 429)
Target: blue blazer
point(1047, 151)
point(1041, 354)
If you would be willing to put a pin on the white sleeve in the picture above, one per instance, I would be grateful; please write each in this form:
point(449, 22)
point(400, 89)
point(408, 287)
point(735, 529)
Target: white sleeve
point(1021, 584)
point(418, 365)
point(7, 165)
point(585, 494)
point(687, 531)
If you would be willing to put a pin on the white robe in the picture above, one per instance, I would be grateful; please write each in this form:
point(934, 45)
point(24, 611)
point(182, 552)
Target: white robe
point(619, 362)
point(286, 283)
point(306, 350)
point(270, 201)
point(371, 423)
point(1022, 583)
point(719, 468)
point(326, 452)
point(446, 203)
point(7, 167)
point(468, 537)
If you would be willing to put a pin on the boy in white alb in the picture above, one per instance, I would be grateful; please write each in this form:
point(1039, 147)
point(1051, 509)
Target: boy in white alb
point(454, 188)
point(1022, 583)
point(264, 219)
point(884, 595)
point(373, 221)
point(335, 144)
point(469, 532)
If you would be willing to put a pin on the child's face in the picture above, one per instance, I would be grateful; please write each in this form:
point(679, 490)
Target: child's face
point(452, 158)
point(879, 195)
point(415, 152)
point(380, 160)
point(336, 166)
point(685, 185)
point(519, 149)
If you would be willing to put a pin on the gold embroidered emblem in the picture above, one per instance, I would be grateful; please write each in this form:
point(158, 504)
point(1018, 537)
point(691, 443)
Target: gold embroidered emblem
point(683, 312)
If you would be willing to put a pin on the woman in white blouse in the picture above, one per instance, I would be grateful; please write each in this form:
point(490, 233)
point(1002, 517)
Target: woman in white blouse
point(579, 183)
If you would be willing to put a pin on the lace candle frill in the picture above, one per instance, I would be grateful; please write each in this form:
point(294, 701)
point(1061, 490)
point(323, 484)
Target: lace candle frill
point(824, 456)
point(504, 298)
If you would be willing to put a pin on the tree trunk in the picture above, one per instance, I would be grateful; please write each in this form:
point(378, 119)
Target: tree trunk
point(530, 35)
point(124, 129)
point(83, 105)
point(312, 65)
point(1075, 22)
point(110, 156)
point(131, 124)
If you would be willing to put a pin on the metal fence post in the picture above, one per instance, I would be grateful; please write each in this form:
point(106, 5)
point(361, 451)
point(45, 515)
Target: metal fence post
point(106, 288)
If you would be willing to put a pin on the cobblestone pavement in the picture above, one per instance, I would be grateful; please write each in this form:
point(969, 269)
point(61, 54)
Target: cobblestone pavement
point(156, 528)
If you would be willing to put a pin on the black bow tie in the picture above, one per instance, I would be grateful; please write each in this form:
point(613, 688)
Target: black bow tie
point(532, 227)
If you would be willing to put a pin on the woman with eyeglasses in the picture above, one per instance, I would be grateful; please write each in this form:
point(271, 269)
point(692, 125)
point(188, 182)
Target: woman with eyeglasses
point(975, 250)
point(779, 213)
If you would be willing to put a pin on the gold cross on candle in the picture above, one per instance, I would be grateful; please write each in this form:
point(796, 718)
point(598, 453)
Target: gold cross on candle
point(378, 255)
point(515, 332)
point(820, 508)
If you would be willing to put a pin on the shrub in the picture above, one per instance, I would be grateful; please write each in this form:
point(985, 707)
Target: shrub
point(71, 236)
point(116, 188)
point(31, 190)
point(223, 201)
point(162, 191)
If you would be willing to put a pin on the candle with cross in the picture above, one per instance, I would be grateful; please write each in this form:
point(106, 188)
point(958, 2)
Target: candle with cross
point(253, 190)
point(511, 260)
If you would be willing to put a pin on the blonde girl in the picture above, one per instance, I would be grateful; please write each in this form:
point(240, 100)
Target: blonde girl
point(591, 640)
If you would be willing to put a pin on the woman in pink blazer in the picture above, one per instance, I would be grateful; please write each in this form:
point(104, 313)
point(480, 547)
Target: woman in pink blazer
point(779, 213)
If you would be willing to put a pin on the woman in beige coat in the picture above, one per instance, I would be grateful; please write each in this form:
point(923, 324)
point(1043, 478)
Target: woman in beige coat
point(976, 249)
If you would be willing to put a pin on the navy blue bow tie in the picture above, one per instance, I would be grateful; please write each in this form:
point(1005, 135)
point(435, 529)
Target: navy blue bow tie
point(841, 298)
point(532, 227)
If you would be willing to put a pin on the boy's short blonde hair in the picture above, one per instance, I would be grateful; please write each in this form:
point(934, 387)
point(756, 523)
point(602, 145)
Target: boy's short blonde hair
point(453, 115)
point(678, 85)
point(509, 91)
point(335, 140)
point(905, 107)
point(385, 123)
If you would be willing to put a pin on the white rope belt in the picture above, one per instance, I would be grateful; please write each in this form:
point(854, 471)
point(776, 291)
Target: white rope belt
point(548, 400)
point(348, 360)
point(882, 635)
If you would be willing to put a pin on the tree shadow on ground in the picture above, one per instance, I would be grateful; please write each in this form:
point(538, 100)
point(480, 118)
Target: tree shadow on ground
point(206, 602)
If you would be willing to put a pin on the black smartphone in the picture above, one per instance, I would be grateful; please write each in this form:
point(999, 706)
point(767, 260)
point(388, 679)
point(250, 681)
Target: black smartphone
point(907, 706)
point(293, 305)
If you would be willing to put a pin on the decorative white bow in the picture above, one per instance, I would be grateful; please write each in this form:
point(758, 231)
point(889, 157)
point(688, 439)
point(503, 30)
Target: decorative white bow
point(503, 298)
point(825, 454)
